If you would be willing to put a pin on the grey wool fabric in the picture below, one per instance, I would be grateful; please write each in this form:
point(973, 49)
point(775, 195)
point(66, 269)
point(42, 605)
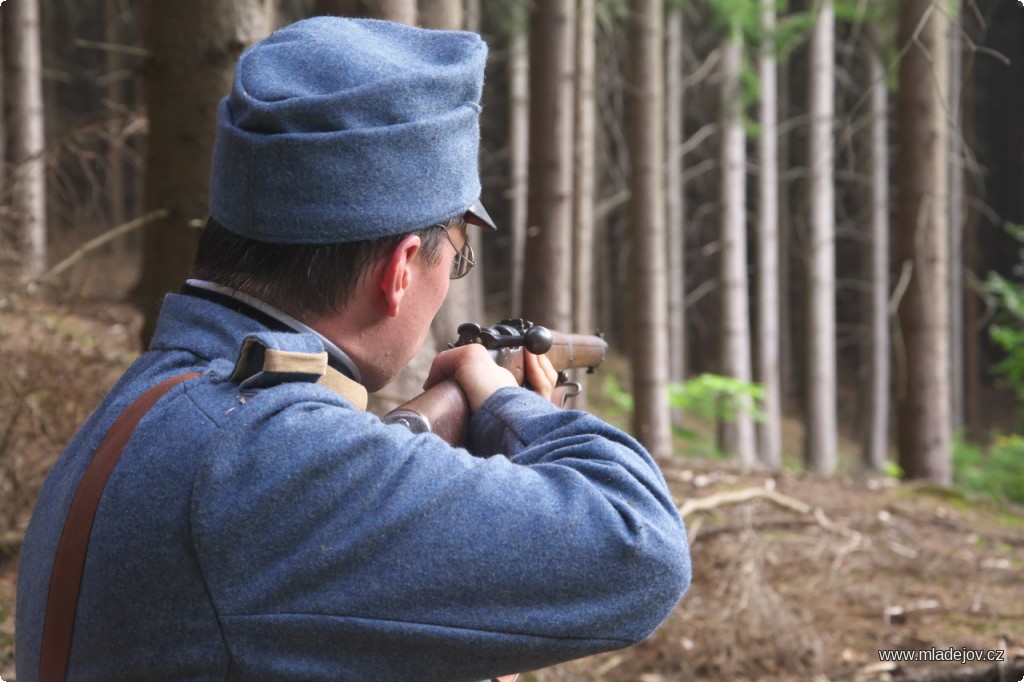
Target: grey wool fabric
point(340, 130)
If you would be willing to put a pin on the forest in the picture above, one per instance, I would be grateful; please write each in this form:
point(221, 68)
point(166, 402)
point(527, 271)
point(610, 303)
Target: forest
point(798, 224)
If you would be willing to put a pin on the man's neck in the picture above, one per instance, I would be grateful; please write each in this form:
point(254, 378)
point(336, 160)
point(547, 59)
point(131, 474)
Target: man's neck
point(336, 353)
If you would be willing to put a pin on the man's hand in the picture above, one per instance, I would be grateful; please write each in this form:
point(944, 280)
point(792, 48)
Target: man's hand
point(541, 376)
point(474, 370)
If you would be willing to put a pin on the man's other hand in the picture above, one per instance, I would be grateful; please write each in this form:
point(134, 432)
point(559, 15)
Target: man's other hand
point(474, 370)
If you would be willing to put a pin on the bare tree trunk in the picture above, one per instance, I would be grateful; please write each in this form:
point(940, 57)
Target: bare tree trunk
point(735, 349)
point(770, 442)
point(923, 243)
point(519, 158)
point(115, 187)
point(473, 13)
point(875, 445)
point(649, 307)
point(402, 11)
point(28, 144)
point(584, 178)
point(821, 437)
point(787, 384)
point(675, 206)
point(3, 125)
point(974, 190)
point(547, 283)
point(956, 220)
point(194, 46)
point(446, 14)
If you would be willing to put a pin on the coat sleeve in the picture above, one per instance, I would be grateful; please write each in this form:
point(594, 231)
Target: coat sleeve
point(336, 547)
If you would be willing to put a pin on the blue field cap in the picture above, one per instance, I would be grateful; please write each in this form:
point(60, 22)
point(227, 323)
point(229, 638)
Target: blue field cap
point(340, 130)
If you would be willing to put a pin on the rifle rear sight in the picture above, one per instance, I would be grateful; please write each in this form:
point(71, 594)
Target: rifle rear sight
point(507, 334)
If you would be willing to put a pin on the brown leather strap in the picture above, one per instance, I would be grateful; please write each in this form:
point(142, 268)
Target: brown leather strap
point(69, 561)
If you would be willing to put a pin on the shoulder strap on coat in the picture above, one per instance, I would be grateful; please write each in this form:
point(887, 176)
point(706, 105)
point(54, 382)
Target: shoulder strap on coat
point(69, 561)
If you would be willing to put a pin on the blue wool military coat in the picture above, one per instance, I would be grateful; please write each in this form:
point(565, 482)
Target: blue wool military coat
point(277, 533)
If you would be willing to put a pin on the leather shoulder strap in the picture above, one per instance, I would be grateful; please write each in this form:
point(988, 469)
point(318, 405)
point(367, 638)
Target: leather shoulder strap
point(69, 561)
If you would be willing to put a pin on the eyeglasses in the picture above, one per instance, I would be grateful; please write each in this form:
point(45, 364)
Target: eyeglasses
point(464, 260)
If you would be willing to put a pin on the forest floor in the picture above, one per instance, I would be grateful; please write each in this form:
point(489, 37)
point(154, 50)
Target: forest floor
point(796, 577)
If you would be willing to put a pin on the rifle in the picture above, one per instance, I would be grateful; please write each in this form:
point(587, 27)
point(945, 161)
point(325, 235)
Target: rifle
point(444, 409)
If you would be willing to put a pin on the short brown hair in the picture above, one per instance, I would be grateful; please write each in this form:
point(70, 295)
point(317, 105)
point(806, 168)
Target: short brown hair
point(301, 279)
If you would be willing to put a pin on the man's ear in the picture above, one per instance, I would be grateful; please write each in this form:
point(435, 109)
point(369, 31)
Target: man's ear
point(396, 276)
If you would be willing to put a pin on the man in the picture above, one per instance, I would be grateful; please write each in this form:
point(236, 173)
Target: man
point(258, 524)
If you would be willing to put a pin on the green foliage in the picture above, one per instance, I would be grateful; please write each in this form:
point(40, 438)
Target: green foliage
point(620, 399)
point(717, 397)
point(996, 471)
point(1007, 330)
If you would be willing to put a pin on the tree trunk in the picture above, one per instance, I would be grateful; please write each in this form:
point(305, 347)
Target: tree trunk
point(875, 444)
point(770, 442)
point(194, 46)
point(519, 158)
point(115, 187)
point(974, 191)
point(445, 14)
point(648, 282)
point(584, 178)
point(402, 11)
point(738, 435)
point(27, 133)
point(787, 382)
point(4, 62)
point(956, 220)
point(547, 281)
point(675, 206)
point(821, 438)
point(923, 241)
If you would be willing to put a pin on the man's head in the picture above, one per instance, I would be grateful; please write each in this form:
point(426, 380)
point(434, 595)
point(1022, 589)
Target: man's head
point(345, 162)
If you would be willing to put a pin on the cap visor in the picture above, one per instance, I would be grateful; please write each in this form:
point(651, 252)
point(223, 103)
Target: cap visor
point(477, 215)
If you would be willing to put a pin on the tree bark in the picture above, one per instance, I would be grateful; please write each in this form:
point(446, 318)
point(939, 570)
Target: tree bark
point(956, 220)
point(648, 282)
point(875, 444)
point(547, 281)
point(402, 11)
point(924, 437)
point(584, 178)
point(4, 62)
point(519, 158)
point(27, 133)
point(194, 46)
point(675, 200)
point(115, 96)
point(444, 14)
point(768, 375)
point(821, 437)
point(738, 436)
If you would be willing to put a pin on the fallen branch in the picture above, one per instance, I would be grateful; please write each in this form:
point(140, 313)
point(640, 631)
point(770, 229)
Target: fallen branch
point(99, 241)
point(756, 526)
point(737, 496)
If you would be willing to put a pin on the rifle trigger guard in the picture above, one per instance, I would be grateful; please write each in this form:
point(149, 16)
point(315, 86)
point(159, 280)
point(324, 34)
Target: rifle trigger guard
point(574, 388)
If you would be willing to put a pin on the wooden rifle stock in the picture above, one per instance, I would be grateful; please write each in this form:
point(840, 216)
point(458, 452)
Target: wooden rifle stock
point(443, 409)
